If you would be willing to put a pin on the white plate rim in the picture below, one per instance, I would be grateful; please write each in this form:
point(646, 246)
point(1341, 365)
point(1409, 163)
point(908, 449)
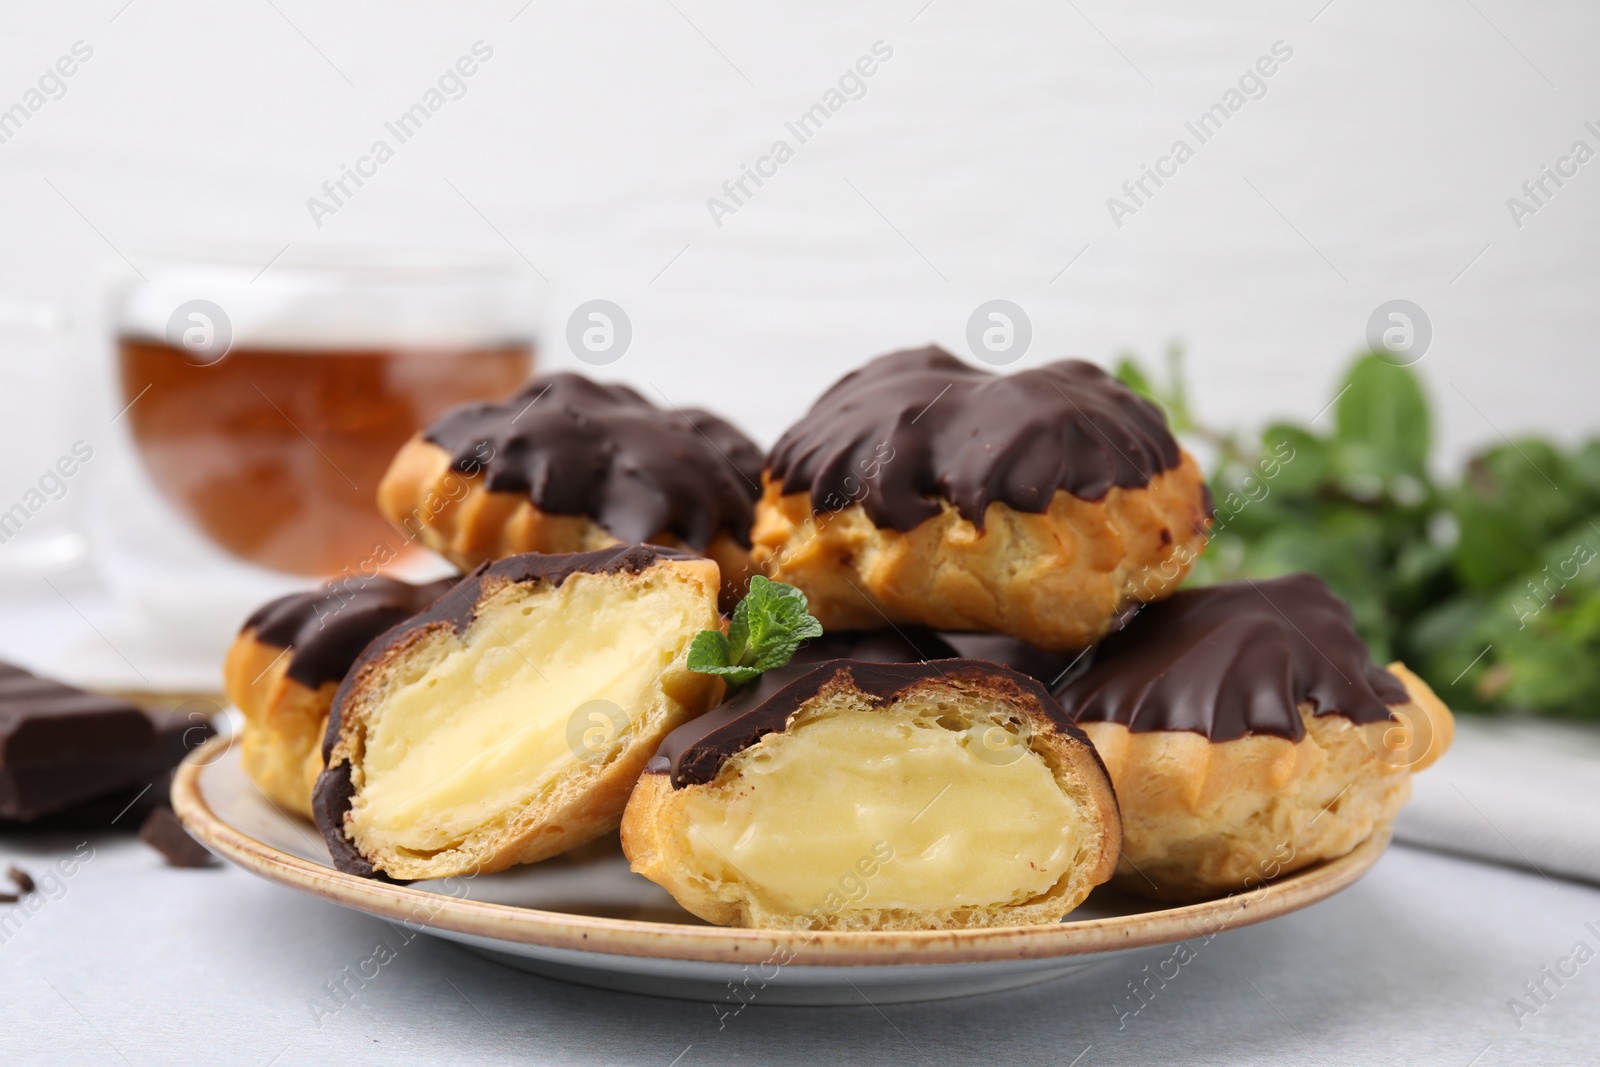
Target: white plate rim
point(732, 945)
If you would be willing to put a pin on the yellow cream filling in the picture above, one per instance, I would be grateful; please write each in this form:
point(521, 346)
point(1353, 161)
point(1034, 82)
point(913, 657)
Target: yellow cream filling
point(859, 810)
point(538, 685)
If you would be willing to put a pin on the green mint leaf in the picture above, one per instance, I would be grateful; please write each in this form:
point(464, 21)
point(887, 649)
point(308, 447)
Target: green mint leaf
point(708, 653)
point(734, 676)
point(1177, 402)
point(1383, 425)
point(1132, 375)
point(739, 625)
point(778, 623)
point(767, 627)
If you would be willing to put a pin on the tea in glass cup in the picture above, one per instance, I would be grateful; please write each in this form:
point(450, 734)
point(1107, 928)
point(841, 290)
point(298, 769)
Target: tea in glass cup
point(265, 405)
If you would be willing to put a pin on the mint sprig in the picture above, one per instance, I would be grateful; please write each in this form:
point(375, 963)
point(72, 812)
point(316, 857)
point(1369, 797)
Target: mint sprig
point(767, 627)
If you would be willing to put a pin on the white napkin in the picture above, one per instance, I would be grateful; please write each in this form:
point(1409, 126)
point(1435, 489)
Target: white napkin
point(1517, 791)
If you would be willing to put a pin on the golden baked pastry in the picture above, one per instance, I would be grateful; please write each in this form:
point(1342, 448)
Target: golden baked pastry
point(287, 662)
point(1249, 735)
point(849, 795)
point(1042, 504)
point(509, 722)
point(571, 465)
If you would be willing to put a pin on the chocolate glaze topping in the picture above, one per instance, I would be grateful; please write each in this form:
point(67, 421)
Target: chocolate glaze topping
point(328, 627)
point(904, 644)
point(918, 644)
point(1051, 668)
point(330, 800)
point(694, 752)
point(735, 447)
point(915, 426)
point(576, 447)
point(1233, 659)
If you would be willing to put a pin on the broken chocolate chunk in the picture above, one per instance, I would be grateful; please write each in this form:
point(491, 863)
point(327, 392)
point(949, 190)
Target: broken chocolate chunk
point(61, 746)
point(163, 832)
point(20, 878)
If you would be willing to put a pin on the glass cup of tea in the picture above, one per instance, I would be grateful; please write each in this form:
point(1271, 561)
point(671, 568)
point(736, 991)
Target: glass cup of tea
point(266, 399)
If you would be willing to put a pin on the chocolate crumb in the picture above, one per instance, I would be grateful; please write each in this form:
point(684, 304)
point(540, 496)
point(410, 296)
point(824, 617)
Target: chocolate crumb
point(8, 898)
point(163, 832)
point(20, 878)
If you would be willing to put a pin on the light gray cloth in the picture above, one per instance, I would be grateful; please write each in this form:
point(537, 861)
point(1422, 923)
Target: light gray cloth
point(1518, 791)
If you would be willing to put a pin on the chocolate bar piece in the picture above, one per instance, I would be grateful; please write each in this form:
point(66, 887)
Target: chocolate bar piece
point(61, 746)
point(121, 809)
point(163, 832)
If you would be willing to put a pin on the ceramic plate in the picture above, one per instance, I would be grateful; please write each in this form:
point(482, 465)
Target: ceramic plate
point(585, 918)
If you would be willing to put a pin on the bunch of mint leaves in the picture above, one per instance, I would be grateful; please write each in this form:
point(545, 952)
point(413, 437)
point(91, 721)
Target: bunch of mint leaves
point(767, 628)
point(1486, 582)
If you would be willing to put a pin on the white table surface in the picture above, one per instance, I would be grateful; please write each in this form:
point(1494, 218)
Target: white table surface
point(140, 963)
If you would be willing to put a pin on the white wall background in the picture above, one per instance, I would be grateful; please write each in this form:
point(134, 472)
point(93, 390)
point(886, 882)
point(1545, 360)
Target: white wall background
point(976, 166)
point(990, 141)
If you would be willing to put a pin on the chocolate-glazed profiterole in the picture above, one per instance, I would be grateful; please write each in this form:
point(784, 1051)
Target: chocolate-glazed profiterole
point(1234, 659)
point(1040, 504)
point(568, 465)
point(325, 629)
point(288, 661)
point(889, 796)
point(971, 437)
point(904, 644)
point(1249, 734)
point(509, 721)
